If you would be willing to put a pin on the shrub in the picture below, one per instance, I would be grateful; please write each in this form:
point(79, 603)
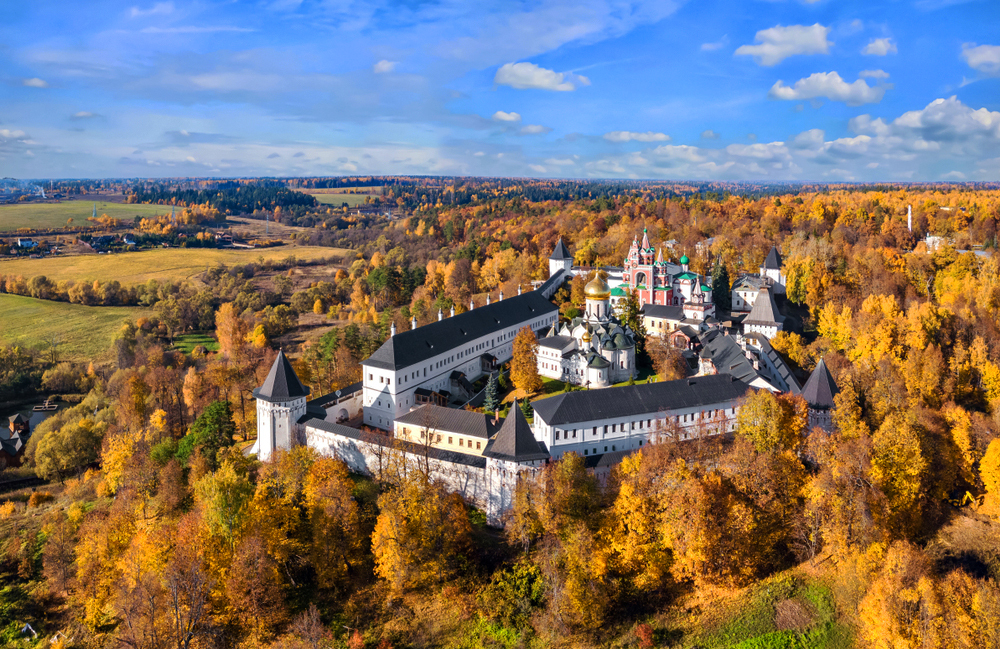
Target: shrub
point(7, 509)
point(38, 498)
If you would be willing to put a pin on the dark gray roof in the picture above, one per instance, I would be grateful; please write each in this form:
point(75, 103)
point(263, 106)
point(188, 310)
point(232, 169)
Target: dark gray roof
point(820, 389)
point(19, 418)
point(515, 442)
point(727, 356)
point(553, 282)
point(784, 372)
point(764, 310)
point(560, 251)
point(556, 342)
point(466, 422)
point(281, 384)
point(333, 396)
point(664, 312)
point(751, 282)
point(407, 348)
point(399, 444)
point(630, 400)
point(773, 261)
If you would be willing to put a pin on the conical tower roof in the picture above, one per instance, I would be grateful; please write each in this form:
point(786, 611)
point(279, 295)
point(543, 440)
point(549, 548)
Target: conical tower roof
point(281, 384)
point(515, 442)
point(773, 261)
point(820, 389)
point(764, 310)
point(561, 251)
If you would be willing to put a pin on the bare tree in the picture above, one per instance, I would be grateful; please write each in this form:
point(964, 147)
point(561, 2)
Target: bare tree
point(188, 588)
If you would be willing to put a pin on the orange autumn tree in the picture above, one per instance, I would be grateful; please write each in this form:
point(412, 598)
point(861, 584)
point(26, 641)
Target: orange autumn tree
point(523, 366)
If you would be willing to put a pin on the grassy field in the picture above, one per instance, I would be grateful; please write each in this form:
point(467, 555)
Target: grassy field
point(81, 333)
point(187, 342)
point(54, 215)
point(352, 200)
point(161, 263)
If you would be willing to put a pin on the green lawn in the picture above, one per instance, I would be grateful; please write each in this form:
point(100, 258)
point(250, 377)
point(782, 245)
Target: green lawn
point(138, 267)
point(783, 612)
point(187, 342)
point(81, 333)
point(55, 215)
point(352, 200)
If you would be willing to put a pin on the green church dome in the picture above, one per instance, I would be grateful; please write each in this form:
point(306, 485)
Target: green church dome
point(685, 259)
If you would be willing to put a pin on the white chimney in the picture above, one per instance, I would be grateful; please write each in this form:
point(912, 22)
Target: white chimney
point(440, 315)
point(487, 298)
point(392, 330)
point(518, 289)
point(909, 218)
point(453, 312)
point(413, 323)
point(501, 297)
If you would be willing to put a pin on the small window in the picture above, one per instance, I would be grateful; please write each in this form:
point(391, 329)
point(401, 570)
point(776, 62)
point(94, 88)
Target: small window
point(449, 441)
point(557, 435)
point(477, 445)
point(439, 438)
point(460, 442)
point(605, 449)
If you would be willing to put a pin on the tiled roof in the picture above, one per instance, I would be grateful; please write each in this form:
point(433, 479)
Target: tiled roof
point(630, 400)
point(820, 389)
point(515, 442)
point(560, 343)
point(407, 348)
point(466, 422)
point(281, 383)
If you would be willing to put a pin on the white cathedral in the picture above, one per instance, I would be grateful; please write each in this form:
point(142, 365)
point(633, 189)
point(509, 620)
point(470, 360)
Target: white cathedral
point(595, 350)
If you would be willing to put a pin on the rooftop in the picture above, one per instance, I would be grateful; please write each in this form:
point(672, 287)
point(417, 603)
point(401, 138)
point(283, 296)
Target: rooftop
point(820, 389)
point(560, 251)
point(466, 422)
point(281, 384)
point(515, 442)
point(630, 400)
point(408, 348)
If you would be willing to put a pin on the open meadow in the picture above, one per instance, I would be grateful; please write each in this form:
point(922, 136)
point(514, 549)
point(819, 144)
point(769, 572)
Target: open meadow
point(338, 198)
point(161, 264)
point(55, 215)
point(81, 333)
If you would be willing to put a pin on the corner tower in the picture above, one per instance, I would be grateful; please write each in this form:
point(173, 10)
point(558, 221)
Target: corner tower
point(560, 259)
point(281, 401)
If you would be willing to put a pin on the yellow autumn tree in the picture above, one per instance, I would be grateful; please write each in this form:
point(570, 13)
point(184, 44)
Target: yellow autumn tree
point(523, 364)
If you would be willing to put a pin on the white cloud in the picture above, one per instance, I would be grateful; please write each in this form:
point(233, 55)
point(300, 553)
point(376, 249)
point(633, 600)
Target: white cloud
point(679, 152)
point(502, 116)
point(534, 129)
point(537, 168)
point(811, 139)
point(953, 175)
point(985, 58)
point(158, 9)
point(35, 83)
point(778, 43)
point(84, 114)
point(879, 47)
point(384, 67)
point(874, 74)
point(717, 45)
point(772, 151)
point(190, 159)
point(630, 136)
point(709, 135)
point(7, 134)
point(478, 154)
point(560, 162)
point(523, 76)
point(830, 86)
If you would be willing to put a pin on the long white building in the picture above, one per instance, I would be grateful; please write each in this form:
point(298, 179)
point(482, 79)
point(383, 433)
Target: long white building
point(595, 422)
point(428, 364)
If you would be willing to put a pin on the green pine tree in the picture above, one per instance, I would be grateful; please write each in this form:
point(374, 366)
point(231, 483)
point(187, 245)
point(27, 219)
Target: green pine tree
point(721, 295)
point(491, 402)
point(527, 410)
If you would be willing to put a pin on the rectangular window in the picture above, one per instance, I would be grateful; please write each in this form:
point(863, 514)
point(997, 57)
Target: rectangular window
point(460, 441)
point(449, 440)
point(477, 445)
point(439, 438)
point(557, 435)
point(370, 377)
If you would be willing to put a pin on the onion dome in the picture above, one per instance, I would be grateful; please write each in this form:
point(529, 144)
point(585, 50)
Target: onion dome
point(586, 337)
point(597, 288)
point(621, 342)
point(685, 260)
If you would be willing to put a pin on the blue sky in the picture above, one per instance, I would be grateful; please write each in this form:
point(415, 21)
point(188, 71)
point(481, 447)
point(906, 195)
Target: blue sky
point(821, 90)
